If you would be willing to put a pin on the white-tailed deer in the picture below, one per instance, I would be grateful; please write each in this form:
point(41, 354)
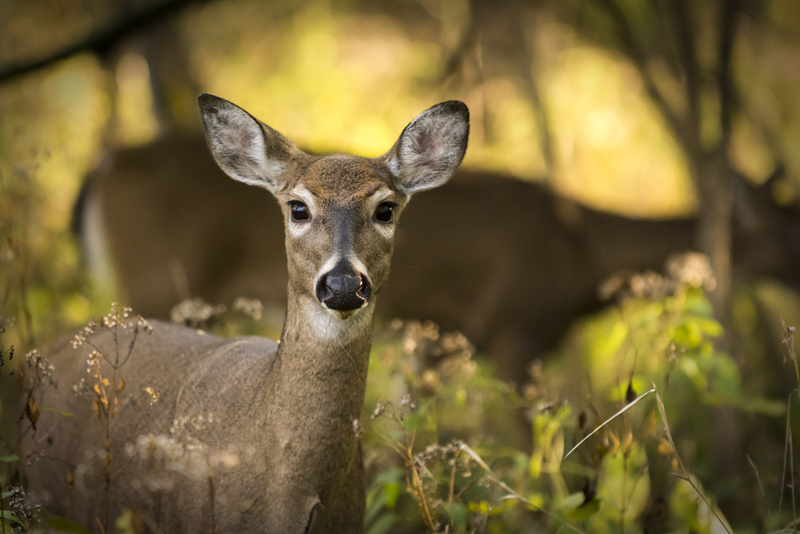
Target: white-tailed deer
point(509, 263)
point(286, 412)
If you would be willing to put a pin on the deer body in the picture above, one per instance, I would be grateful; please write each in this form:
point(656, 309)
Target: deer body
point(284, 415)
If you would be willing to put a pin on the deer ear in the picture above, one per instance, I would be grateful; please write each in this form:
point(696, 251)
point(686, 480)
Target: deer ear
point(430, 148)
point(245, 148)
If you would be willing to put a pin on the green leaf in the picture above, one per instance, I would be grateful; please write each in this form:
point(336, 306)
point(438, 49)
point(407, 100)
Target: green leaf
point(584, 511)
point(460, 397)
point(8, 515)
point(65, 525)
point(9, 458)
point(692, 371)
point(383, 524)
point(384, 492)
point(572, 501)
point(697, 304)
point(771, 408)
point(59, 412)
point(727, 381)
point(710, 327)
point(688, 334)
point(611, 341)
point(459, 517)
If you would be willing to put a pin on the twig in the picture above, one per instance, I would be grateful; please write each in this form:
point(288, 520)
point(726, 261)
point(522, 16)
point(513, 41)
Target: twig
point(629, 44)
point(687, 57)
point(416, 483)
point(512, 494)
point(685, 472)
point(760, 485)
point(622, 411)
point(101, 40)
point(791, 474)
point(725, 85)
point(451, 490)
point(2, 510)
point(786, 450)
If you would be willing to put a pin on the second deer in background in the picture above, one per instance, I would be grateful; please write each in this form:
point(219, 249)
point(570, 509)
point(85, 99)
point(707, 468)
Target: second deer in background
point(509, 263)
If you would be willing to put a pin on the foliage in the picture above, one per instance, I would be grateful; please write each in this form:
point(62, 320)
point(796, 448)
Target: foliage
point(437, 455)
point(450, 448)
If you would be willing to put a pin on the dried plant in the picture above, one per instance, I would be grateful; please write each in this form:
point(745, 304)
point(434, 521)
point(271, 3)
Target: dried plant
point(196, 313)
point(106, 383)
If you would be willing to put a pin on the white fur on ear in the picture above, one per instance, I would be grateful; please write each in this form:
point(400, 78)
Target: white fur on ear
point(239, 144)
point(430, 148)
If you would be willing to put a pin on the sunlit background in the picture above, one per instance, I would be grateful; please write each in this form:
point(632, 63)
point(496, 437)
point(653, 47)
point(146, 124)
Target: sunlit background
point(552, 98)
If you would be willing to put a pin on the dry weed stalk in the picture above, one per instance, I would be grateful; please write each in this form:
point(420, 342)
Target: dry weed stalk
point(405, 449)
point(106, 392)
point(789, 353)
point(685, 474)
point(183, 452)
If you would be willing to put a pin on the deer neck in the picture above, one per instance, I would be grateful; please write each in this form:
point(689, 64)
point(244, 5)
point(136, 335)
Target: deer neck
point(319, 378)
point(313, 341)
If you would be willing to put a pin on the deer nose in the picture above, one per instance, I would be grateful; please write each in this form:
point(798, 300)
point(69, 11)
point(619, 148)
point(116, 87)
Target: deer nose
point(343, 288)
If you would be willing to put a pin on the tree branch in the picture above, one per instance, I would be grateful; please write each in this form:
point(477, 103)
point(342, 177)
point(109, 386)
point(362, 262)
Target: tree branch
point(526, 61)
point(730, 9)
point(101, 40)
point(687, 57)
point(633, 50)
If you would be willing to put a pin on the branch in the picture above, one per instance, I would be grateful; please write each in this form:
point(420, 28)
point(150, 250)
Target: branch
point(526, 63)
point(730, 9)
point(684, 474)
point(629, 45)
point(101, 40)
point(687, 57)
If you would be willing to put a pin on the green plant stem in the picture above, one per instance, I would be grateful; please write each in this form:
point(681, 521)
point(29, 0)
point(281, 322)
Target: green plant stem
point(451, 490)
point(624, 508)
point(108, 412)
point(2, 510)
point(512, 494)
point(416, 483)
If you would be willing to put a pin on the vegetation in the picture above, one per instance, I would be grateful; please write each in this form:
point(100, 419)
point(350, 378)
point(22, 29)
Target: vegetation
point(611, 435)
point(650, 415)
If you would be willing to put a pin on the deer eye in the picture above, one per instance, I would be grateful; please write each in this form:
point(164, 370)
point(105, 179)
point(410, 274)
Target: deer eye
point(385, 212)
point(299, 211)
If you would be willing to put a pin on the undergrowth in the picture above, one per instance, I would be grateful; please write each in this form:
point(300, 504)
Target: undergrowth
point(617, 433)
point(620, 425)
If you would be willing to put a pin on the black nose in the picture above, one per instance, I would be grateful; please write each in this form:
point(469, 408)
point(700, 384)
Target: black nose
point(343, 288)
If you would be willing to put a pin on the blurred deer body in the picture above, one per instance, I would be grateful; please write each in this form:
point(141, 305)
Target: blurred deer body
point(281, 450)
point(507, 262)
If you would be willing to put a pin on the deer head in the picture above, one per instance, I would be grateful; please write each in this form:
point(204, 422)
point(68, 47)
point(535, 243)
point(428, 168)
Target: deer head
point(340, 211)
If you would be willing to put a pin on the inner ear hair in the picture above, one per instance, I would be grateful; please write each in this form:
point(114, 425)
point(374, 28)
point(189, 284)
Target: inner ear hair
point(431, 147)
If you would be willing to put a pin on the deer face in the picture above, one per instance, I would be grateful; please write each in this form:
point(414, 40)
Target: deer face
point(340, 219)
point(340, 211)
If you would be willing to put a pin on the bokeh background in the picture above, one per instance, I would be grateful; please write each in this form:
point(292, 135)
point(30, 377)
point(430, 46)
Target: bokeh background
point(659, 110)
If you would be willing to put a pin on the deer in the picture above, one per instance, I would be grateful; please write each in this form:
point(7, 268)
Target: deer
point(510, 263)
point(294, 405)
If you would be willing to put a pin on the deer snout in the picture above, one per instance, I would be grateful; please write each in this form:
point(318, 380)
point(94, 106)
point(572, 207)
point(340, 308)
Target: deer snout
point(343, 288)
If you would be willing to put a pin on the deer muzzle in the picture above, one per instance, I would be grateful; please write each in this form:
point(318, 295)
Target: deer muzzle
point(343, 288)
